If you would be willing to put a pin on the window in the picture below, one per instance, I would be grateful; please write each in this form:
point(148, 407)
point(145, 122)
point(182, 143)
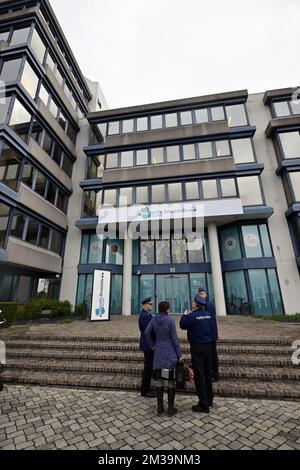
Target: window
point(67, 165)
point(110, 197)
point(192, 190)
point(19, 36)
point(128, 126)
point(260, 291)
point(142, 124)
point(126, 159)
point(59, 76)
point(147, 252)
point(28, 175)
point(142, 157)
point(189, 152)
point(236, 115)
point(249, 189)
point(210, 189)
point(290, 142)
point(222, 148)
point(186, 118)
point(48, 143)
point(242, 151)
point(51, 192)
point(29, 80)
point(62, 121)
point(157, 156)
point(295, 106)
point(61, 203)
point(171, 120)
point(163, 255)
point(179, 253)
point(196, 253)
point(18, 224)
point(55, 241)
point(230, 243)
point(72, 133)
point(40, 184)
point(44, 95)
point(142, 195)
point(111, 160)
point(57, 154)
point(20, 120)
point(113, 128)
point(235, 287)
point(10, 163)
point(4, 217)
point(32, 232)
point(173, 154)
point(10, 70)
point(158, 193)
point(281, 108)
point(175, 192)
point(201, 115)
point(89, 205)
point(4, 36)
point(218, 114)
point(37, 131)
point(252, 241)
point(228, 187)
point(125, 197)
point(156, 122)
point(5, 102)
point(295, 180)
point(114, 252)
point(266, 244)
point(205, 150)
point(53, 108)
point(50, 62)
point(94, 254)
point(38, 46)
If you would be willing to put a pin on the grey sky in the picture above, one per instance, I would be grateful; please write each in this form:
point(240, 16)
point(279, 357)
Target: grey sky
point(145, 51)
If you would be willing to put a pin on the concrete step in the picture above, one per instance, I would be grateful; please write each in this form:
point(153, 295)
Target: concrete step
point(241, 388)
point(131, 368)
point(122, 356)
point(132, 347)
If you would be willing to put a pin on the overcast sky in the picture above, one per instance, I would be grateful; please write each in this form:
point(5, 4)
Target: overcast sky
point(142, 51)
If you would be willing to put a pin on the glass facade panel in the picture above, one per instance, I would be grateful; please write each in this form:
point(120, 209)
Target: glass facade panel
point(114, 252)
point(29, 80)
point(128, 126)
point(249, 189)
point(32, 232)
point(186, 118)
point(242, 151)
point(251, 241)
point(40, 185)
point(230, 244)
point(196, 251)
point(80, 289)
point(147, 252)
point(228, 187)
point(236, 115)
point(201, 115)
point(156, 122)
point(281, 109)
point(44, 95)
point(205, 150)
point(4, 216)
point(84, 248)
point(90, 202)
point(175, 192)
point(179, 251)
point(10, 163)
point(18, 224)
point(260, 291)
point(110, 197)
point(223, 148)
point(290, 142)
point(275, 292)
point(295, 105)
point(218, 114)
point(173, 154)
point(135, 303)
point(55, 242)
point(126, 197)
point(192, 190)
point(295, 180)
point(157, 156)
point(142, 157)
point(189, 152)
point(10, 70)
point(111, 160)
point(19, 36)
point(20, 120)
point(236, 291)
point(158, 193)
point(266, 243)
point(163, 255)
point(95, 249)
point(126, 159)
point(44, 237)
point(53, 108)
point(142, 195)
point(142, 124)
point(147, 286)
point(171, 120)
point(38, 46)
point(197, 281)
point(210, 189)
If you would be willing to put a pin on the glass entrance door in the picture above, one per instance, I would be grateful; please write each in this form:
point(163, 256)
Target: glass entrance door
point(175, 290)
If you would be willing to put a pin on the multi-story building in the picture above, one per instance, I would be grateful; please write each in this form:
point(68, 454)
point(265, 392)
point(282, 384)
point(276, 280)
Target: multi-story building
point(61, 158)
point(44, 99)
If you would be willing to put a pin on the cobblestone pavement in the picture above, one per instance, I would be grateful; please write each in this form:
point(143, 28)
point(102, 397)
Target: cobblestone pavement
point(230, 327)
point(59, 418)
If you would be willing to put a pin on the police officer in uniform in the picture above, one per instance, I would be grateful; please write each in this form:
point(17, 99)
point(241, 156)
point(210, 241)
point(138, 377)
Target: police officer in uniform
point(144, 319)
point(199, 326)
point(215, 360)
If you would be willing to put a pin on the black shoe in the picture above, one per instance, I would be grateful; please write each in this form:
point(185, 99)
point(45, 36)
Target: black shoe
point(200, 409)
point(149, 394)
point(171, 400)
point(215, 378)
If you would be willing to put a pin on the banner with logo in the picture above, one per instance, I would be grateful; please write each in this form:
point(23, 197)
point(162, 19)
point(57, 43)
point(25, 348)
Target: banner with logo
point(101, 296)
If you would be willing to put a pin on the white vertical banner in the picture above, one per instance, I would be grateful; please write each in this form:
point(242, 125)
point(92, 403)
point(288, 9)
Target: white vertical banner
point(101, 296)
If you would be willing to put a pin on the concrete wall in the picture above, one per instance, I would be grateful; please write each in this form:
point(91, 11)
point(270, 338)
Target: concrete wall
point(23, 254)
point(288, 274)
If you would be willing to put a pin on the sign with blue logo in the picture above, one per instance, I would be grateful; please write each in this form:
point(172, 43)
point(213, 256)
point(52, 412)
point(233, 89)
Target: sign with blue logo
point(101, 295)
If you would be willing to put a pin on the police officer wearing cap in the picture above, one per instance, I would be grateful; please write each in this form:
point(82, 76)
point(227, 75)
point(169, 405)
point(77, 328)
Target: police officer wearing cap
point(215, 360)
point(199, 326)
point(144, 319)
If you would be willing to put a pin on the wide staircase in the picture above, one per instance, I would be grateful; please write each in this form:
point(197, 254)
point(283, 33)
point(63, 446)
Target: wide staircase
point(248, 368)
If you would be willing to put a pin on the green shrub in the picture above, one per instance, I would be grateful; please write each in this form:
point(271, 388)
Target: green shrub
point(280, 317)
point(9, 311)
point(33, 310)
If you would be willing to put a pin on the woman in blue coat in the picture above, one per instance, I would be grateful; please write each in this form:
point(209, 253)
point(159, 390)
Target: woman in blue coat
point(167, 353)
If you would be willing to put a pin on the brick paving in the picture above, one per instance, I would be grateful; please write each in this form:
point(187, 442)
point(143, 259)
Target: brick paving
point(60, 418)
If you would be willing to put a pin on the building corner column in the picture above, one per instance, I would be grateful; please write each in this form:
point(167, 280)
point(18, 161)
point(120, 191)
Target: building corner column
point(127, 276)
point(216, 267)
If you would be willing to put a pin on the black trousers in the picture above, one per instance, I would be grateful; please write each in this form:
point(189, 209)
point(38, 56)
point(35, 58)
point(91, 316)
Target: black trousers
point(202, 365)
point(215, 360)
point(147, 372)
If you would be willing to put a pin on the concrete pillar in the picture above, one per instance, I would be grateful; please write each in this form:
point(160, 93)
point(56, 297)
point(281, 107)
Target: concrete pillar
point(127, 277)
point(216, 270)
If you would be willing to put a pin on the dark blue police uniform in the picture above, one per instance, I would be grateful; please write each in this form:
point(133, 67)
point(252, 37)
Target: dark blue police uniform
point(215, 359)
point(200, 331)
point(144, 319)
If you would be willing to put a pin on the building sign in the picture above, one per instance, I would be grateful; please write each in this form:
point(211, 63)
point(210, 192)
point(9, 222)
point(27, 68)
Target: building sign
point(101, 296)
